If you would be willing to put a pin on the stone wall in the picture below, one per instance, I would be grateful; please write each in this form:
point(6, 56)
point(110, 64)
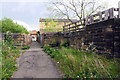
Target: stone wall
point(104, 36)
point(19, 39)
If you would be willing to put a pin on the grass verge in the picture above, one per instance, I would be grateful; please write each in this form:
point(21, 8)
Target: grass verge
point(81, 64)
point(9, 55)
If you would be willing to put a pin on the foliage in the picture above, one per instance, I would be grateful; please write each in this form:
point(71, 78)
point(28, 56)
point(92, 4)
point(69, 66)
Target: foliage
point(9, 25)
point(65, 44)
point(8, 38)
point(50, 51)
point(91, 47)
point(25, 47)
point(9, 55)
point(38, 33)
point(80, 64)
point(52, 26)
point(0, 60)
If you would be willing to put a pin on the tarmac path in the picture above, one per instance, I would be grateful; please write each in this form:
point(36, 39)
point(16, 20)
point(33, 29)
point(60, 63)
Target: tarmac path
point(35, 63)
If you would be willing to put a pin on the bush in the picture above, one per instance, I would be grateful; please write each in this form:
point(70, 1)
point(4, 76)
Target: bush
point(25, 47)
point(50, 50)
point(65, 44)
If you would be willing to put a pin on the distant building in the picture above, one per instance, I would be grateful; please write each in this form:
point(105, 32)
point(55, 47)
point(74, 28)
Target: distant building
point(60, 22)
point(33, 34)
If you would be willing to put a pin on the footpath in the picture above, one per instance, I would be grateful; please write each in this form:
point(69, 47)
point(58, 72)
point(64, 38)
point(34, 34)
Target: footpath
point(35, 63)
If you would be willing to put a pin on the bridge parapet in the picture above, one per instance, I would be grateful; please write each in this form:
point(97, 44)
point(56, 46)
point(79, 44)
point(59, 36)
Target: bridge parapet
point(99, 17)
point(103, 32)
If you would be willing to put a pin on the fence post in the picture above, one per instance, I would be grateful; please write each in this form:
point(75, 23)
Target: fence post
point(119, 12)
point(100, 16)
point(69, 28)
point(119, 9)
point(75, 27)
point(111, 13)
point(63, 28)
point(86, 21)
point(91, 19)
point(106, 14)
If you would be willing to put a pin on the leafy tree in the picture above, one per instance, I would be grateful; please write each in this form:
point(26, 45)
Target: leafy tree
point(9, 25)
point(38, 32)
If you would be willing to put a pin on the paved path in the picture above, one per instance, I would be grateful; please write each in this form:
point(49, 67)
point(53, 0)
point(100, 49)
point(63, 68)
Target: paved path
point(34, 63)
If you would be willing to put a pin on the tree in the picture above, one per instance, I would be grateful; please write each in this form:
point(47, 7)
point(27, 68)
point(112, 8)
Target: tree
point(9, 25)
point(38, 33)
point(77, 9)
point(52, 25)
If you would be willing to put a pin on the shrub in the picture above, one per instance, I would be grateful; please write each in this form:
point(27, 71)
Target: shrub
point(50, 50)
point(25, 47)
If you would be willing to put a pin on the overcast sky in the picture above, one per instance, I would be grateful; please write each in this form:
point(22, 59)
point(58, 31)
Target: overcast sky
point(28, 12)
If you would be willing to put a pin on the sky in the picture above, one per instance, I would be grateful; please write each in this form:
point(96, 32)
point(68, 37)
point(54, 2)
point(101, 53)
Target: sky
point(28, 12)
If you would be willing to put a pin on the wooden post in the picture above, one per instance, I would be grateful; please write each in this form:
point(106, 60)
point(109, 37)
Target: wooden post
point(111, 13)
point(119, 9)
point(100, 16)
point(119, 12)
point(63, 28)
point(86, 21)
point(69, 28)
point(91, 19)
point(76, 27)
point(106, 14)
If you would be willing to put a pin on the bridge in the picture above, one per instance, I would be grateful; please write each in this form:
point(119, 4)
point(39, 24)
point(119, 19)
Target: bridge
point(101, 30)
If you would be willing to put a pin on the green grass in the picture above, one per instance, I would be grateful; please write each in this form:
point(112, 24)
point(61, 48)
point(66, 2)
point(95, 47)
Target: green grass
point(81, 64)
point(25, 47)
